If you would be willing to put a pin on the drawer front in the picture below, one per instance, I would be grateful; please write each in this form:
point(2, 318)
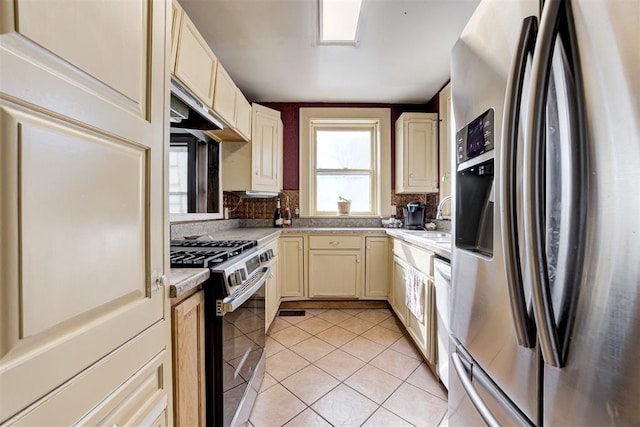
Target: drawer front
point(414, 256)
point(132, 378)
point(335, 242)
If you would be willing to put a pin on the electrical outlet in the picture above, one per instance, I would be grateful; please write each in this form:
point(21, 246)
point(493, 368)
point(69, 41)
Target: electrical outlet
point(296, 211)
point(394, 212)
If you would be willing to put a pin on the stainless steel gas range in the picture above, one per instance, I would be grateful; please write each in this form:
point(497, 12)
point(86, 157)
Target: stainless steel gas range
point(234, 322)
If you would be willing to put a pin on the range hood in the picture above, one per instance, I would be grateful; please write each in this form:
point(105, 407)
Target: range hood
point(248, 194)
point(189, 113)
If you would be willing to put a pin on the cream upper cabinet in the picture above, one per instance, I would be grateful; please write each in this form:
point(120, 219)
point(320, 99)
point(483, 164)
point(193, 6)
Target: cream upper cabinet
point(377, 267)
point(445, 144)
point(176, 21)
point(291, 266)
point(224, 97)
point(82, 253)
point(335, 266)
point(243, 116)
point(256, 166)
point(195, 62)
point(266, 147)
point(417, 153)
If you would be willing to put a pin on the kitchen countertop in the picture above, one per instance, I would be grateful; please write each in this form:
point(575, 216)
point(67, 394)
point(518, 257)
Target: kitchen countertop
point(418, 238)
point(184, 281)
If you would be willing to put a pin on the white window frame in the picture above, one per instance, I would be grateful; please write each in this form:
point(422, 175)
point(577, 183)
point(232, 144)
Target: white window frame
point(311, 119)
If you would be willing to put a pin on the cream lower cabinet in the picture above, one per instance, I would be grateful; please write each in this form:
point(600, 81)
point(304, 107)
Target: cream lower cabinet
point(417, 153)
point(272, 285)
point(398, 292)
point(377, 267)
point(272, 298)
point(336, 266)
point(291, 266)
point(83, 317)
point(188, 361)
point(421, 329)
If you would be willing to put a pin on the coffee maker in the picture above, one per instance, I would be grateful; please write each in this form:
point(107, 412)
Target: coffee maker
point(414, 215)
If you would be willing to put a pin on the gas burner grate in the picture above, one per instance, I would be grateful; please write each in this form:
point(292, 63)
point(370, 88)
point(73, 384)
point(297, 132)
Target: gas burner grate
point(220, 244)
point(193, 259)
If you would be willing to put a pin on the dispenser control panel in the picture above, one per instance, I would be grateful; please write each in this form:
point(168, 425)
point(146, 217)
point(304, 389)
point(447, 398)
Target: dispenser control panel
point(476, 138)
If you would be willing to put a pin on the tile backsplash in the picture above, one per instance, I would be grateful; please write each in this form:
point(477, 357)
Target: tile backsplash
point(263, 208)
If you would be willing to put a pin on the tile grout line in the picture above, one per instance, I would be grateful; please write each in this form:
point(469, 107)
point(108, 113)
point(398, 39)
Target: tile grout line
point(402, 381)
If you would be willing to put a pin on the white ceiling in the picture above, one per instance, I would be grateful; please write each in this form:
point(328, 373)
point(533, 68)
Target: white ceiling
point(269, 48)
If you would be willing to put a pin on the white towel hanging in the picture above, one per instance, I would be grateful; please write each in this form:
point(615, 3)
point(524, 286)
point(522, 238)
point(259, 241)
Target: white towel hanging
point(414, 295)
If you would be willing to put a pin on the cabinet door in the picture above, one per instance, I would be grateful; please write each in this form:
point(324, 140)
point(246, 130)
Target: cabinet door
point(377, 267)
point(224, 97)
point(195, 62)
point(189, 360)
point(291, 266)
point(423, 330)
point(334, 274)
point(243, 116)
point(422, 155)
point(265, 149)
point(417, 153)
point(445, 143)
point(81, 166)
point(398, 298)
point(273, 297)
point(176, 21)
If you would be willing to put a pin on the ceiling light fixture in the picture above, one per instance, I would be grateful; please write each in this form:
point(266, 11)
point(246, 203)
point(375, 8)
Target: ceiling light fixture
point(339, 21)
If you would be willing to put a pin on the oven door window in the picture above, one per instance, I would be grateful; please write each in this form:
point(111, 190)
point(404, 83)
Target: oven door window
point(243, 346)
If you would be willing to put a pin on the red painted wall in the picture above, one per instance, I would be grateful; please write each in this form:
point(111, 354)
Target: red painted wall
point(291, 121)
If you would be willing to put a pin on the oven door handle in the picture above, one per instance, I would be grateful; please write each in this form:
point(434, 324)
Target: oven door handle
point(248, 289)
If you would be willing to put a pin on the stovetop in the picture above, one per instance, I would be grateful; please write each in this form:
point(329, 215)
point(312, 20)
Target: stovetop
point(206, 253)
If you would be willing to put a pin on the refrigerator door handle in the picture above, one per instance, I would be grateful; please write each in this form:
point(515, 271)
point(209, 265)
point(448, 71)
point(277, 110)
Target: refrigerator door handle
point(534, 197)
point(556, 22)
point(477, 401)
point(523, 323)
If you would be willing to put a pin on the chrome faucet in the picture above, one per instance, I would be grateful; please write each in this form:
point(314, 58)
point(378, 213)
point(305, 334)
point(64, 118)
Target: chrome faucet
point(440, 205)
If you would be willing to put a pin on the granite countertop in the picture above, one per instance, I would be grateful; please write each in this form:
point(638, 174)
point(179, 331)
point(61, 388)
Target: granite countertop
point(336, 230)
point(433, 244)
point(184, 280)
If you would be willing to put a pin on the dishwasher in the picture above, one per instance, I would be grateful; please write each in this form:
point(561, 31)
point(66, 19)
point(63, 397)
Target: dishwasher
point(442, 280)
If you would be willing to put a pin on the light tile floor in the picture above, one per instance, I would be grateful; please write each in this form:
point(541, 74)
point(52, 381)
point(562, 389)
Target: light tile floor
point(346, 367)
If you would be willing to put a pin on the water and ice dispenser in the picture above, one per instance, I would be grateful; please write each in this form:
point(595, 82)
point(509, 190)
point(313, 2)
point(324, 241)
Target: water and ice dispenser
point(474, 208)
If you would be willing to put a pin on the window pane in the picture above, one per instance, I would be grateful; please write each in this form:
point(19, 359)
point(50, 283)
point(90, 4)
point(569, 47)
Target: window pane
point(343, 149)
point(354, 187)
point(178, 185)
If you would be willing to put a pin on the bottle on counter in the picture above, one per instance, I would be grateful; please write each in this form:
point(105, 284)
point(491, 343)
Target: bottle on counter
point(287, 216)
point(277, 215)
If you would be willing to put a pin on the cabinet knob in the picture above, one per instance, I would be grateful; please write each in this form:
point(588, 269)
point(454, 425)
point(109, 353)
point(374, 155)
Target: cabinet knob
point(158, 281)
point(256, 172)
point(334, 243)
point(411, 175)
point(357, 260)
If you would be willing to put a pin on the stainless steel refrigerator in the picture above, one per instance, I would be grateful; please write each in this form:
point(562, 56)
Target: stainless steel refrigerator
point(545, 301)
